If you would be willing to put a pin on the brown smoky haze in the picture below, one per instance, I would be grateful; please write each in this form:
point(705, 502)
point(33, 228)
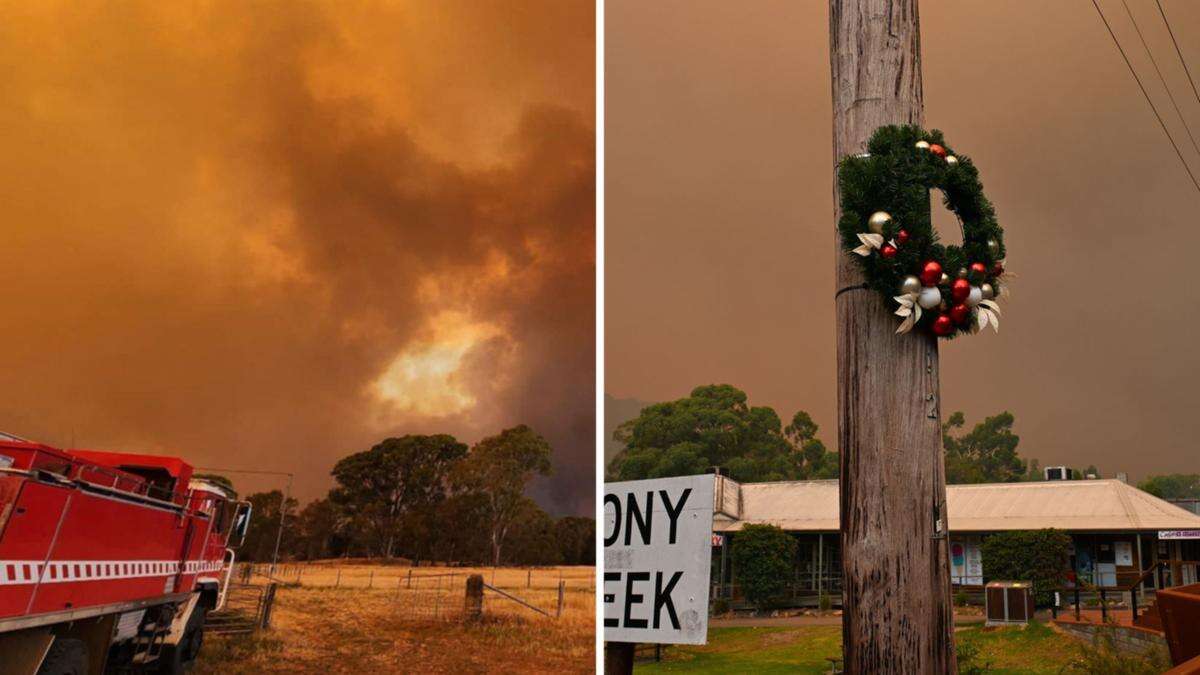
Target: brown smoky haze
point(266, 235)
point(719, 234)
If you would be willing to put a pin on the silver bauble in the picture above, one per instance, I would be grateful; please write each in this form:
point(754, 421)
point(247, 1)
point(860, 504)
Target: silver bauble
point(911, 284)
point(922, 145)
point(878, 220)
point(929, 298)
point(974, 297)
point(951, 160)
point(944, 280)
point(993, 247)
point(988, 291)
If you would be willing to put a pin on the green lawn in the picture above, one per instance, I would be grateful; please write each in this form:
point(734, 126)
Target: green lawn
point(1034, 649)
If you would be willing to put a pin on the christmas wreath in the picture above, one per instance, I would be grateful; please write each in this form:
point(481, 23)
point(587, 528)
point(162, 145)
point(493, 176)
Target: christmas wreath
point(886, 223)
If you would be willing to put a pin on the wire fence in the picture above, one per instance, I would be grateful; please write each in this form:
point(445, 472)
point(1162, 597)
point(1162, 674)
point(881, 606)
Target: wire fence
point(438, 593)
point(376, 576)
point(247, 608)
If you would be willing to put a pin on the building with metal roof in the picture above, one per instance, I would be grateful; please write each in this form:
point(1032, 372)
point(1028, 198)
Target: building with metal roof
point(1117, 530)
point(1075, 505)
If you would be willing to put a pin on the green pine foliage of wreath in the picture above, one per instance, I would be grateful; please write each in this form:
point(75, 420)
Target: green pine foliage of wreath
point(896, 177)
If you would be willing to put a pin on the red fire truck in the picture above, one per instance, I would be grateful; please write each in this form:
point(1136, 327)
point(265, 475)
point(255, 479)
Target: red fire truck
point(108, 561)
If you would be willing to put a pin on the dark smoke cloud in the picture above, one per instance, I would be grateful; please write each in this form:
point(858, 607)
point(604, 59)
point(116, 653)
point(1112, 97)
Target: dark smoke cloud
point(720, 247)
point(225, 225)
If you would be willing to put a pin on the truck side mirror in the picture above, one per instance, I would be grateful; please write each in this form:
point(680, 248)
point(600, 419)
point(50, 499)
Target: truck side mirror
point(241, 523)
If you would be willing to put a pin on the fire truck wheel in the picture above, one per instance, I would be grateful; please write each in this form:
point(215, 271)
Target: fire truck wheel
point(178, 659)
point(194, 638)
point(66, 657)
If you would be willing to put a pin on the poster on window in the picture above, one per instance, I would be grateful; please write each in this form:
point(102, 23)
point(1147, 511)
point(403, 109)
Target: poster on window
point(1123, 552)
point(966, 563)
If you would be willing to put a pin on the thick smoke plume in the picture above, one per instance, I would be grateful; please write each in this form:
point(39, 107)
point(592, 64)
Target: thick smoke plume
point(268, 236)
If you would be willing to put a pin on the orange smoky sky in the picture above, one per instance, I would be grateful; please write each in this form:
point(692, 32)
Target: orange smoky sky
point(267, 235)
point(720, 234)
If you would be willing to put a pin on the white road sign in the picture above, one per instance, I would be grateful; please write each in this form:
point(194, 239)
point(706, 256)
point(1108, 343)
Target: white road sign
point(657, 558)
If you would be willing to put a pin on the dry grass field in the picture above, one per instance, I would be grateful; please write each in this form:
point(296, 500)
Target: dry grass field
point(364, 618)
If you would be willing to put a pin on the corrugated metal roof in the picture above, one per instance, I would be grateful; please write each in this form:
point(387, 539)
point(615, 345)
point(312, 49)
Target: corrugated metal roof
point(1065, 505)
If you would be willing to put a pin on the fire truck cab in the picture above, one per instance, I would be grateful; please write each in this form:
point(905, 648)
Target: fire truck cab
point(108, 561)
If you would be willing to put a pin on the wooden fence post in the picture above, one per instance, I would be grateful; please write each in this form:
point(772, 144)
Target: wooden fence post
point(268, 602)
point(338, 581)
point(474, 601)
point(410, 578)
point(561, 586)
point(437, 597)
point(371, 579)
point(528, 578)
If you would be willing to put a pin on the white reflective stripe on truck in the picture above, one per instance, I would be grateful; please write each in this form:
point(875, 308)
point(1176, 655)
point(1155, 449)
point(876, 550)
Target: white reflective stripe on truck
point(18, 572)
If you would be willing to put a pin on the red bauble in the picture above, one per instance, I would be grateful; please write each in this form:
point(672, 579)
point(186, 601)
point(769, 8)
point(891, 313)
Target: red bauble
point(960, 313)
point(931, 273)
point(902, 237)
point(888, 251)
point(997, 269)
point(942, 325)
point(959, 290)
point(979, 268)
point(937, 150)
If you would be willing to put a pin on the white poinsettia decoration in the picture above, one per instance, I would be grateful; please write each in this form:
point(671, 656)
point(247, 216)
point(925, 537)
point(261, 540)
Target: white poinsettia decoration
point(870, 241)
point(988, 313)
point(909, 309)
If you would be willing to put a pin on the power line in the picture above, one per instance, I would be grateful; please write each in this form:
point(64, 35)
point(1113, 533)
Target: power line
point(259, 471)
point(1162, 79)
point(1178, 51)
point(287, 494)
point(1146, 95)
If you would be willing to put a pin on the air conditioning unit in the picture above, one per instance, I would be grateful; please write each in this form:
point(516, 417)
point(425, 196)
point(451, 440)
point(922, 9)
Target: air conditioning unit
point(1058, 473)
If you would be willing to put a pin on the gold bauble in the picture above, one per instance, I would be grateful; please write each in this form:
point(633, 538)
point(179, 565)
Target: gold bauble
point(878, 220)
point(911, 284)
point(951, 160)
point(993, 247)
point(962, 273)
point(944, 280)
point(922, 145)
point(988, 291)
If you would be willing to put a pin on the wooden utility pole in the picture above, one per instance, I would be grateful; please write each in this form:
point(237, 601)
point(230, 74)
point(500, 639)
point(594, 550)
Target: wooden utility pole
point(896, 577)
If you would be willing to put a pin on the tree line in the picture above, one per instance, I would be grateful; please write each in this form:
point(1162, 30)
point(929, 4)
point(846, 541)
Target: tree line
point(715, 426)
point(427, 497)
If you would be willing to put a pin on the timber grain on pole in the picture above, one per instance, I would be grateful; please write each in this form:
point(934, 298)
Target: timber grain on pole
point(896, 577)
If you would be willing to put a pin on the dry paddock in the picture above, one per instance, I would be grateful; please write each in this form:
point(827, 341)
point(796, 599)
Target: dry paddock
point(343, 618)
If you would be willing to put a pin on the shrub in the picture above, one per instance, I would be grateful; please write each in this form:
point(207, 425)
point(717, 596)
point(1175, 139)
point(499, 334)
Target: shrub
point(967, 654)
point(960, 598)
point(1103, 657)
point(1040, 556)
point(720, 606)
point(825, 603)
point(762, 563)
